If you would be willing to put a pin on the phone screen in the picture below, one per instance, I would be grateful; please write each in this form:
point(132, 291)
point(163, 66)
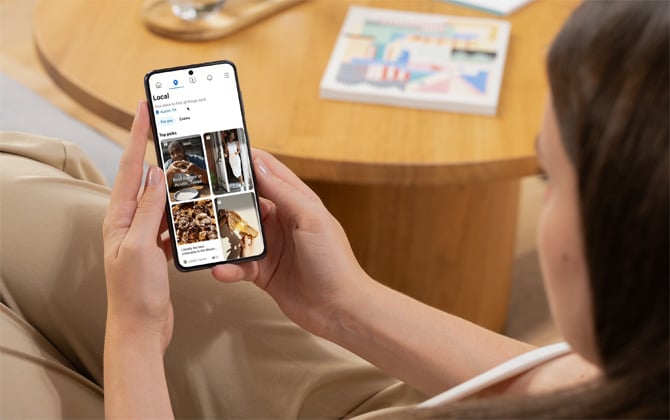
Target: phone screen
point(203, 147)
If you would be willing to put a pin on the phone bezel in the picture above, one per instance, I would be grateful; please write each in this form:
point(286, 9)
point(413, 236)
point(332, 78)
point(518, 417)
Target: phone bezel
point(159, 160)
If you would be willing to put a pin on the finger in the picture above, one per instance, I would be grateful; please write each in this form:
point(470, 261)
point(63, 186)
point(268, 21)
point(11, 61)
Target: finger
point(150, 209)
point(286, 193)
point(129, 177)
point(164, 224)
point(230, 273)
point(166, 246)
point(164, 238)
point(281, 171)
point(123, 202)
point(266, 206)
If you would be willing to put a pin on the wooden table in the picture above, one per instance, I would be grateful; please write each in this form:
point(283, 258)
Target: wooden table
point(429, 199)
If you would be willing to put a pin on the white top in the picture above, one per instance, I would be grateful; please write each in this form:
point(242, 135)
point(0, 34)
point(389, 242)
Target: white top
point(498, 7)
point(511, 368)
point(234, 159)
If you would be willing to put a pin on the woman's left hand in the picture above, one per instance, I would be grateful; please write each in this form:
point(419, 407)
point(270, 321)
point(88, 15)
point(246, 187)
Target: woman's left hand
point(136, 258)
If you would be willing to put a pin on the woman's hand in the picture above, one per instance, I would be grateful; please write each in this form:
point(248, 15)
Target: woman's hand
point(135, 257)
point(139, 312)
point(309, 269)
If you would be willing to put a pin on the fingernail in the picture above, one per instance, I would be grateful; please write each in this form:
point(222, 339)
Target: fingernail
point(154, 175)
point(139, 106)
point(261, 167)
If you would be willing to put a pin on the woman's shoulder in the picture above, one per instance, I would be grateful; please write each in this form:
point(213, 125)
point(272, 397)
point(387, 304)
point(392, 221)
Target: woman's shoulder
point(541, 370)
point(564, 371)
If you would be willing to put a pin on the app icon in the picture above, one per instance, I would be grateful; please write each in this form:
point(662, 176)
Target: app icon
point(175, 82)
point(191, 79)
point(209, 77)
point(159, 85)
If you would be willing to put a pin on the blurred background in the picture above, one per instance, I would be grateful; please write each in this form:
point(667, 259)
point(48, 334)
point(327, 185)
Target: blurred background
point(30, 101)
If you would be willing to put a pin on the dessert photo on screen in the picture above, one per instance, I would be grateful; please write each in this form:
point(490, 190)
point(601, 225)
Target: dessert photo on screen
point(194, 222)
point(239, 226)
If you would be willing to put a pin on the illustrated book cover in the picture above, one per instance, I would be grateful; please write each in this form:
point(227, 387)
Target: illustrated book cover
point(418, 60)
point(498, 7)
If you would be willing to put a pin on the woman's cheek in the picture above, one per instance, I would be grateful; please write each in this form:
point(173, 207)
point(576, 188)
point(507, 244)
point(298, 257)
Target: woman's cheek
point(547, 193)
point(547, 230)
point(548, 233)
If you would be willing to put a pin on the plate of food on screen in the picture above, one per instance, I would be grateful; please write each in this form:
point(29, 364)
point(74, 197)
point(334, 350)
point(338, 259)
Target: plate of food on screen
point(186, 194)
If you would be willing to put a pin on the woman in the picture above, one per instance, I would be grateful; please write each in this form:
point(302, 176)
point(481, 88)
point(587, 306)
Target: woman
point(234, 157)
point(602, 238)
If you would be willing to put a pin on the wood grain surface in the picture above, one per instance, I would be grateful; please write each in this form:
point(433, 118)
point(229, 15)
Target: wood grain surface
point(99, 51)
point(429, 199)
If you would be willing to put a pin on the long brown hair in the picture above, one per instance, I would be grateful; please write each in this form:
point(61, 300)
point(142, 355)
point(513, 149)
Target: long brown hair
point(609, 76)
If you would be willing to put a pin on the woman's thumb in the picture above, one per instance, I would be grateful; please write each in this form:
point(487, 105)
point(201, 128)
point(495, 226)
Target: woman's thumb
point(149, 214)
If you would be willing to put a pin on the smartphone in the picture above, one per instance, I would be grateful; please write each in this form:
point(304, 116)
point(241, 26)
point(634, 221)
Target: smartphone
point(202, 144)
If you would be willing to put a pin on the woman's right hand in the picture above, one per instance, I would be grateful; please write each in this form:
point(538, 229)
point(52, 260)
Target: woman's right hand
point(312, 274)
point(310, 269)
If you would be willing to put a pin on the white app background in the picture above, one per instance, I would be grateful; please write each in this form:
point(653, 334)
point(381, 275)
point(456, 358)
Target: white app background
point(189, 108)
point(202, 102)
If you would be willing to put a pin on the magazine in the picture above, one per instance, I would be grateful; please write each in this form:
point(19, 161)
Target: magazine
point(418, 60)
point(498, 7)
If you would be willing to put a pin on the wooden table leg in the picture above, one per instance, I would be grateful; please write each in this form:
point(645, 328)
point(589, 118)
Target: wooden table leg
point(451, 247)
